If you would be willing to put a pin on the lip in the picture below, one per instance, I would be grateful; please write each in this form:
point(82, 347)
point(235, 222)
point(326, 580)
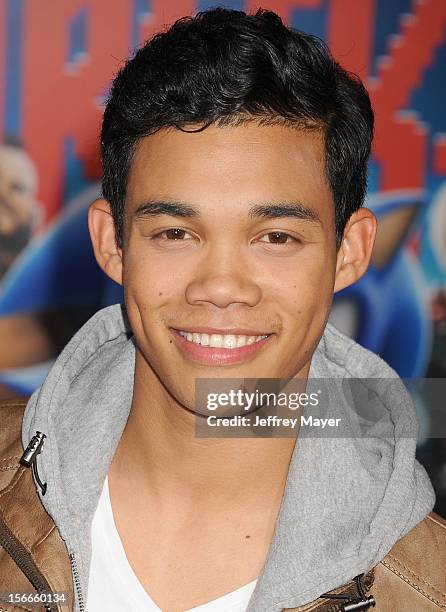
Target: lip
point(207, 355)
point(235, 331)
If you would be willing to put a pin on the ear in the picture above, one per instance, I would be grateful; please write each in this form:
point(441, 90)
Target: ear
point(102, 234)
point(356, 248)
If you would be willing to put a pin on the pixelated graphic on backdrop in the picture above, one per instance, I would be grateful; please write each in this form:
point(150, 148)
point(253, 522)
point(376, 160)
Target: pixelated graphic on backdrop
point(57, 60)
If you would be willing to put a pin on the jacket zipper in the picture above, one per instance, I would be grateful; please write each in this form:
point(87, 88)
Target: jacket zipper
point(77, 583)
point(29, 457)
point(356, 602)
point(23, 559)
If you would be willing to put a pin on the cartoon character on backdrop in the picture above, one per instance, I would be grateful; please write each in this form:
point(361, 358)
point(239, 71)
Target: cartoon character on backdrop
point(433, 259)
point(387, 311)
point(20, 212)
point(53, 288)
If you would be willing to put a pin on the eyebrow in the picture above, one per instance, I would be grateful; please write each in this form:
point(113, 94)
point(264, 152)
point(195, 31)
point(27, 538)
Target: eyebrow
point(267, 210)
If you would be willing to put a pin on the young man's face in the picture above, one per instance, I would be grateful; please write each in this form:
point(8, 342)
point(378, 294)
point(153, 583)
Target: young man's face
point(228, 267)
point(18, 186)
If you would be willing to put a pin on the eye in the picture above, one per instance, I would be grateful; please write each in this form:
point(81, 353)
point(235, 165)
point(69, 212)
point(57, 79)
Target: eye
point(18, 187)
point(172, 234)
point(279, 238)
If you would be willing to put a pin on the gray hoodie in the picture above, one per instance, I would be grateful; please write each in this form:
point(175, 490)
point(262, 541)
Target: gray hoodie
point(347, 500)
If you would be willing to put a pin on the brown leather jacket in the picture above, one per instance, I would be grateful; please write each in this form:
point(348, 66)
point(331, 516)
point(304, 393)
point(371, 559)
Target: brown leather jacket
point(33, 556)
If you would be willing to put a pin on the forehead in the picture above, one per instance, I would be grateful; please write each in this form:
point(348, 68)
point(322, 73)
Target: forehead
point(247, 162)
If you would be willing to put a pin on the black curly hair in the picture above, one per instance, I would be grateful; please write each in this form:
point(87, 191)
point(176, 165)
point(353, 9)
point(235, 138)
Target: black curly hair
point(226, 67)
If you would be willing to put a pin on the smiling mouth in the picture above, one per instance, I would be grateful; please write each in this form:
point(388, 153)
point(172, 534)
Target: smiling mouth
point(219, 349)
point(226, 341)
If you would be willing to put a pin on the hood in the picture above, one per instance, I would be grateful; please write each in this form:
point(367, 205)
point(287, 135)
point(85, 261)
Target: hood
point(347, 498)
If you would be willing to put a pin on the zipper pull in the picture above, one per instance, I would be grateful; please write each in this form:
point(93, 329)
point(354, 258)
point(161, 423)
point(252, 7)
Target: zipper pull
point(355, 603)
point(359, 605)
point(362, 602)
point(29, 457)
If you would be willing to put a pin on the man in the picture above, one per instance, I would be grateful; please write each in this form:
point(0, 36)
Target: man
point(20, 211)
point(234, 157)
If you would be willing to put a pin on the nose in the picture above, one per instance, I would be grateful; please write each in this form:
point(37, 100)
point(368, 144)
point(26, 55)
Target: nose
point(224, 277)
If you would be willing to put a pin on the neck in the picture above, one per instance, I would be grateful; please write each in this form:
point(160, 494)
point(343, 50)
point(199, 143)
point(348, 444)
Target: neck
point(160, 453)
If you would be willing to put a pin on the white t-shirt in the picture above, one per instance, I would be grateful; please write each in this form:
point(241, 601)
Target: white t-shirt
point(113, 585)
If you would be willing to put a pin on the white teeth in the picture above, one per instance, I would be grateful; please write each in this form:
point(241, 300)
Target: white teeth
point(241, 341)
point(216, 341)
point(229, 341)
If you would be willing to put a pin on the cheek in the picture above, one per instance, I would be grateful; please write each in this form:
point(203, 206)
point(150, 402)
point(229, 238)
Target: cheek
point(305, 286)
point(156, 278)
point(305, 305)
point(151, 286)
point(29, 202)
point(21, 200)
point(142, 288)
point(142, 274)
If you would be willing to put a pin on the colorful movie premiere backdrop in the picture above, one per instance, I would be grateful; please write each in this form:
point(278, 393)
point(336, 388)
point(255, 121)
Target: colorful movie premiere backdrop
point(57, 59)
